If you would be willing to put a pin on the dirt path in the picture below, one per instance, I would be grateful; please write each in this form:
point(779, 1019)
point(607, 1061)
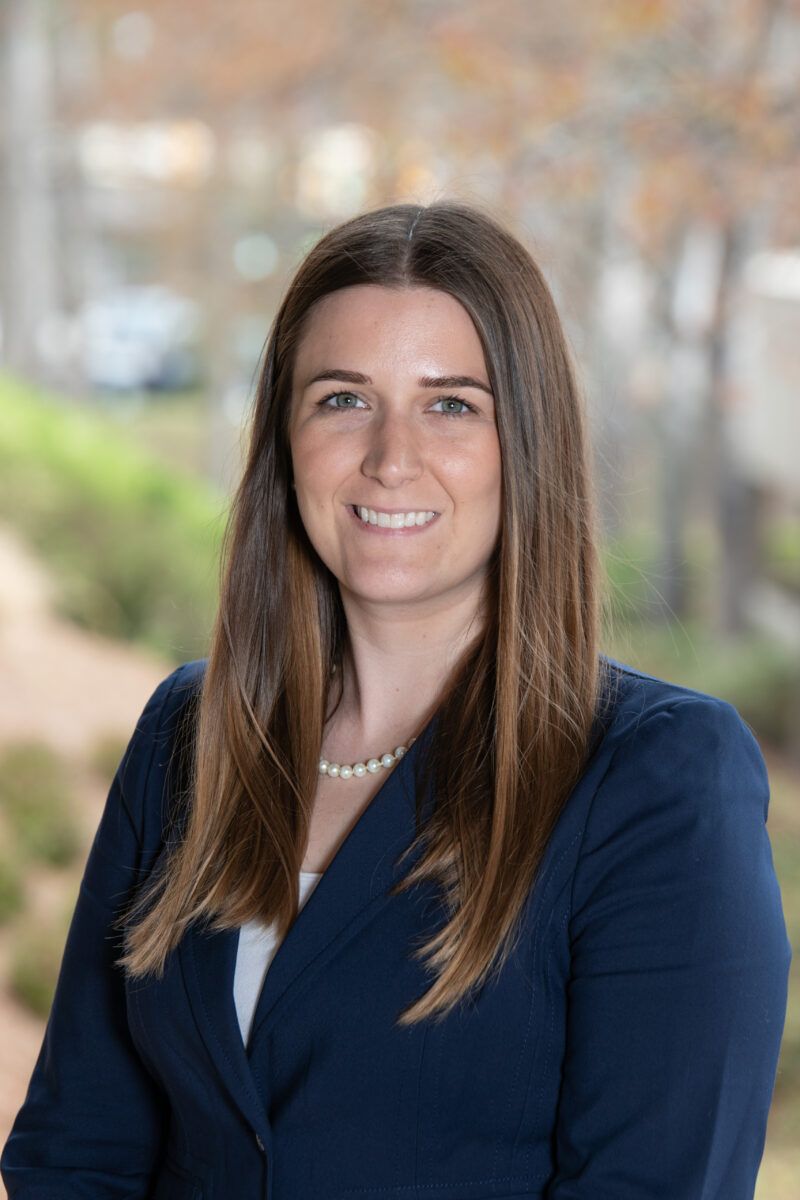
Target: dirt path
point(68, 688)
point(60, 682)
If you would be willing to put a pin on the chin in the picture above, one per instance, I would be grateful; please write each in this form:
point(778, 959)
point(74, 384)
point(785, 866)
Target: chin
point(379, 591)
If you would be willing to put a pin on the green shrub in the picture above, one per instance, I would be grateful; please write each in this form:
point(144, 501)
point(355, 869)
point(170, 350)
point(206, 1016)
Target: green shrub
point(36, 797)
point(628, 564)
point(106, 754)
point(634, 573)
point(782, 551)
point(753, 672)
point(134, 547)
point(35, 961)
point(11, 893)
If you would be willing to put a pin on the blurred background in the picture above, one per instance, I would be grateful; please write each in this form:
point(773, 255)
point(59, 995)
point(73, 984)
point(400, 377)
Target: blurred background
point(164, 167)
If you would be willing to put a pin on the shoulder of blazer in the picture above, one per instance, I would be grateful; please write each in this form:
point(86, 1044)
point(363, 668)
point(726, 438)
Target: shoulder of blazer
point(634, 696)
point(690, 731)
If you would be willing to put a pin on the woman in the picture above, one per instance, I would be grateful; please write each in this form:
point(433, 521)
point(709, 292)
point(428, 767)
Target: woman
point(516, 899)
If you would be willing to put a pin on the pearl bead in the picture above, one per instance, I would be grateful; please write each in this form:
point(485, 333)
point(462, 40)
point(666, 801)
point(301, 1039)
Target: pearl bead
point(360, 769)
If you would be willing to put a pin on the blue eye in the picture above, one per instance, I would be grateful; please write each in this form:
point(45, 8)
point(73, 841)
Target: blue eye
point(455, 400)
point(466, 407)
point(334, 396)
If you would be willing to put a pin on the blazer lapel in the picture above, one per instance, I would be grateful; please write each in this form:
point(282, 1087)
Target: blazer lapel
point(208, 961)
point(347, 896)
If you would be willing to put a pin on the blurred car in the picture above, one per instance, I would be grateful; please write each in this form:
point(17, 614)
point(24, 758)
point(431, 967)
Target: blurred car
point(144, 337)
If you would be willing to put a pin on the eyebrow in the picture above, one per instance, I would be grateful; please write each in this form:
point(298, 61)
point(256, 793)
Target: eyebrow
point(426, 381)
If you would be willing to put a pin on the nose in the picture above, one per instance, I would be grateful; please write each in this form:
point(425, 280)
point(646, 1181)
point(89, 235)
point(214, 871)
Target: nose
point(392, 455)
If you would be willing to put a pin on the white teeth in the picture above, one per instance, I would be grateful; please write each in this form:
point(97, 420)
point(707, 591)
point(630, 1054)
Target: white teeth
point(394, 520)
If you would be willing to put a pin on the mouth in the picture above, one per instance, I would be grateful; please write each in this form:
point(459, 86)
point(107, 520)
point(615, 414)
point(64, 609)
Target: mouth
point(392, 521)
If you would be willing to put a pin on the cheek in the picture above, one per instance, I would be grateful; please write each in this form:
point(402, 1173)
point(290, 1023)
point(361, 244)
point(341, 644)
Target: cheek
point(316, 468)
point(476, 476)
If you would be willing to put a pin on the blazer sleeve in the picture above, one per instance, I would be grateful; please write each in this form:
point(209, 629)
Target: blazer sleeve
point(679, 970)
point(93, 1118)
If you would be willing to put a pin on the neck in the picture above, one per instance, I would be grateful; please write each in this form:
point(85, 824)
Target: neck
point(393, 673)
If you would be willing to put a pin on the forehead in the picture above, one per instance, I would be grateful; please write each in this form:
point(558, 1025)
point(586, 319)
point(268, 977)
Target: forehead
point(369, 322)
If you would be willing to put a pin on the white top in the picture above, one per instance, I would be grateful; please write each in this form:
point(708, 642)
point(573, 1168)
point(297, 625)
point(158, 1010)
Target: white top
point(257, 946)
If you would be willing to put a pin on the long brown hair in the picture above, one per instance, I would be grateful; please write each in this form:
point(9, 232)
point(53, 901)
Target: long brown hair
point(515, 714)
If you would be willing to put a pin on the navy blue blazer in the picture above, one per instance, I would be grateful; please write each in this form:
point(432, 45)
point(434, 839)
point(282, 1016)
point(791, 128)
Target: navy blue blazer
point(627, 1051)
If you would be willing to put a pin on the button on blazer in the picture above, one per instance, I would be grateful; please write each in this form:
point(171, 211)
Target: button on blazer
point(626, 1051)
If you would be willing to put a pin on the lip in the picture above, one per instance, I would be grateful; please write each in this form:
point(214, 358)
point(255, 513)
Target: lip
point(404, 531)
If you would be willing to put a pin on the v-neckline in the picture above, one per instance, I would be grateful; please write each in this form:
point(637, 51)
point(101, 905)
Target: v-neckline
point(346, 895)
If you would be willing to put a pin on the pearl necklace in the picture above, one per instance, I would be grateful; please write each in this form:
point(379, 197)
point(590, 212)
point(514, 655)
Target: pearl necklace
point(359, 769)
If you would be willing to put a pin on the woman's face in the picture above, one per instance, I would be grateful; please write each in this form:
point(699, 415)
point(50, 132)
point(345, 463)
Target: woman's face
point(411, 431)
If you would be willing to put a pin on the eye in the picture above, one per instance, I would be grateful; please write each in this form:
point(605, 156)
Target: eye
point(323, 403)
point(455, 400)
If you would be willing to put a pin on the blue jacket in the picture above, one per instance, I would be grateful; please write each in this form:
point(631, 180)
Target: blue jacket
point(627, 1051)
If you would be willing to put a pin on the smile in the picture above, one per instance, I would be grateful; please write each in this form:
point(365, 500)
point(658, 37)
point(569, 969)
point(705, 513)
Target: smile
point(374, 521)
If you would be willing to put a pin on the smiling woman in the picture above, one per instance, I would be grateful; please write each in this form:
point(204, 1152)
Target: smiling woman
point(408, 890)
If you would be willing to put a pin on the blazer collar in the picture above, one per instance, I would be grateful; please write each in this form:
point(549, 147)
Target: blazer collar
point(348, 895)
